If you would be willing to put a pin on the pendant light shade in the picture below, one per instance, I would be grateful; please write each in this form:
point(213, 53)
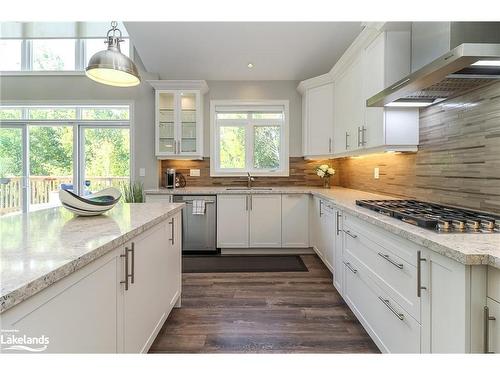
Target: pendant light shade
point(111, 67)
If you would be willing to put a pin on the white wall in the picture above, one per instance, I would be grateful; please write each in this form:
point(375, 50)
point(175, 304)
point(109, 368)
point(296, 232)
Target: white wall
point(248, 90)
point(79, 88)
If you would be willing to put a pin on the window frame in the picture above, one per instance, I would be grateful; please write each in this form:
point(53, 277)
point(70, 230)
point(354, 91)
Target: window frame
point(78, 141)
point(249, 106)
point(80, 59)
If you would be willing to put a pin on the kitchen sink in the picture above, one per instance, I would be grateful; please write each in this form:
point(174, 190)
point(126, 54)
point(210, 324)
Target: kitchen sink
point(247, 189)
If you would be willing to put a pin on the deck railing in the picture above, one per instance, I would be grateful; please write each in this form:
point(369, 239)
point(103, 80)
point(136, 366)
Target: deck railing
point(43, 188)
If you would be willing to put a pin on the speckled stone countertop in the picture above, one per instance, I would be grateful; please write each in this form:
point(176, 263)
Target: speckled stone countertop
point(39, 248)
point(466, 248)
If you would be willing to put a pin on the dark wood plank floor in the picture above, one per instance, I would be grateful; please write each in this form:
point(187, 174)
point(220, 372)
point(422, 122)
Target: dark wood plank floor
point(299, 312)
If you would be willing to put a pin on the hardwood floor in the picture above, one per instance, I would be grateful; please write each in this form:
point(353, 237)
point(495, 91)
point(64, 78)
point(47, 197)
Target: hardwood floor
point(287, 312)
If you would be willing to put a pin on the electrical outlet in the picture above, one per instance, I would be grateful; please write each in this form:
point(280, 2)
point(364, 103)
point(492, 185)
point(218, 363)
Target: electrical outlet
point(194, 172)
point(142, 172)
point(376, 173)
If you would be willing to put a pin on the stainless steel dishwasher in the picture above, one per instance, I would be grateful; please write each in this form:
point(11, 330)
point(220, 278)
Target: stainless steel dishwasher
point(199, 232)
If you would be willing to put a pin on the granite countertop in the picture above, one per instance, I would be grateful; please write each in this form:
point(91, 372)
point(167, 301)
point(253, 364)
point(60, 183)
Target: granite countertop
point(466, 248)
point(39, 248)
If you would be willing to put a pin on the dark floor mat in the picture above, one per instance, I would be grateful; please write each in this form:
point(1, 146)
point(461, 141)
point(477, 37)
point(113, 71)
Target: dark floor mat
point(243, 263)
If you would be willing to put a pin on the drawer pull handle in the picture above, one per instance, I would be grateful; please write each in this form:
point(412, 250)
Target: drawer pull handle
point(388, 258)
point(348, 265)
point(351, 234)
point(393, 310)
point(419, 273)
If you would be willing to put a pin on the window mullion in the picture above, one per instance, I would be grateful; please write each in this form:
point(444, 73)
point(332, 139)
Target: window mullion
point(27, 55)
point(249, 146)
point(80, 57)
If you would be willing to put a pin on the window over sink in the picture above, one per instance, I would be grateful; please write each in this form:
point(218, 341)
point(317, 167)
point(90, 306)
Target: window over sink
point(249, 137)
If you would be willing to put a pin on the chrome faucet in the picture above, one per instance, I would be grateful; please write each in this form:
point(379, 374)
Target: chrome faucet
point(249, 180)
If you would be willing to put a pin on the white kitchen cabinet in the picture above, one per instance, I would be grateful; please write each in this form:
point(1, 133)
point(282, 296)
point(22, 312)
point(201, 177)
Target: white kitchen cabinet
point(174, 262)
point(318, 120)
point(153, 284)
point(348, 108)
point(314, 224)
point(179, 119)
point(265, 220)
point(327, 227)
point(78, 314)
point(232, 221)
point(295, 220)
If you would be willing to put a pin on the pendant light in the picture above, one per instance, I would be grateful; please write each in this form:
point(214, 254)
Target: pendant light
point(111, 67)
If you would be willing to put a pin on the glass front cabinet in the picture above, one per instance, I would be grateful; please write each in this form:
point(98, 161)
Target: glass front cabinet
point(179, 119)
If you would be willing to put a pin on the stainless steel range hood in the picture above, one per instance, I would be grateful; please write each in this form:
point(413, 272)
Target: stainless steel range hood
point(467, 66)
point(448, 76)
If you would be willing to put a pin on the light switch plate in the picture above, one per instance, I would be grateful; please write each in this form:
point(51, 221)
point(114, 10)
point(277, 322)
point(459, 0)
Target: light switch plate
point(194, 172)
point(142, 172)
point(376, 173)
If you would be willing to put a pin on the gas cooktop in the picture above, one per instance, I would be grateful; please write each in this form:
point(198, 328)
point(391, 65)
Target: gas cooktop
point(443, 219)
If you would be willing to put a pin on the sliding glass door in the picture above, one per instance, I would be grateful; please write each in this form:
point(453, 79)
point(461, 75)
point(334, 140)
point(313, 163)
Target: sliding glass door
point(11, 170)
point(106, 157)
point(44, 149)
point(50, 164)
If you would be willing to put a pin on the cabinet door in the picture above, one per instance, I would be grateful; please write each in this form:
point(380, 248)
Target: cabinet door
point(232, 221)
point(341, 130)
point(144, 303)
point(319, 130)
point(357, 104)
point(295, 220)
point(190, 117)
point(494, 326)
point(327, 238)
point(166, 120)
point(78, 314)
point(444, 318)
point(338, 252)
point(174, 261)
point(265, 220)
point(314, 223)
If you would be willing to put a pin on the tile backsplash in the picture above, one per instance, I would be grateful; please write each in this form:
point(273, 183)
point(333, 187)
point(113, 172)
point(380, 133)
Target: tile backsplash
point(301, 174)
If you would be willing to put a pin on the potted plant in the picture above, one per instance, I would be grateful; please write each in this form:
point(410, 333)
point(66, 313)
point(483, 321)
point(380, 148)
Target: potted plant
point(325, 172)
point(133, 192)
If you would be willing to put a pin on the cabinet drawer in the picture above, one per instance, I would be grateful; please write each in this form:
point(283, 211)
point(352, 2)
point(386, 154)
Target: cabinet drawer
point(389, 325)
point(393, 273)
point(494, 283)
point(398, 245)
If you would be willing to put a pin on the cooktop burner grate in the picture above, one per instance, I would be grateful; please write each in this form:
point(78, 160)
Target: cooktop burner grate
point(436, 217)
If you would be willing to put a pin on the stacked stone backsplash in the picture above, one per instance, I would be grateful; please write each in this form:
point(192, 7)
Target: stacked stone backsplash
point(301, 174)
point(458, 161)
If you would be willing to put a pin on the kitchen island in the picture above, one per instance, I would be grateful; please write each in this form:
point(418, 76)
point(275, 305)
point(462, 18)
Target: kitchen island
point(110, 280)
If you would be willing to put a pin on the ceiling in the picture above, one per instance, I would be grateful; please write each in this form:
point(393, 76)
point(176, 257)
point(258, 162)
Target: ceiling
point(222, 50)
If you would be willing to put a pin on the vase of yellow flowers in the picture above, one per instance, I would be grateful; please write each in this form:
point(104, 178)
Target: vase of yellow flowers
point(325, 172)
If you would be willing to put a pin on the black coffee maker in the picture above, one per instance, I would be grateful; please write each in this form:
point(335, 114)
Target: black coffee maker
point(170, 178)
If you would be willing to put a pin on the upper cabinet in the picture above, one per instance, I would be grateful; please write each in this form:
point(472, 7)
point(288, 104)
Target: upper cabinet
point(179, 119)
point(318, 120)
point(337, 123)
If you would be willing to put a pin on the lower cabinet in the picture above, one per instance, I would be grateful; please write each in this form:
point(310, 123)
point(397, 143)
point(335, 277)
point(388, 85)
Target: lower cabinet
point(249, 220)
point(295, 220)
point(153, 284)
point(115, 304)
point(392, 329)
point(339, 252)
point(411, 299)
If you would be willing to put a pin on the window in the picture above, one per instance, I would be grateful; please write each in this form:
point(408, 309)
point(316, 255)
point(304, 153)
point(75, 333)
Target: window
point(51, 55)
point(249, 138)
point(80, 148)
point(11, 51)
